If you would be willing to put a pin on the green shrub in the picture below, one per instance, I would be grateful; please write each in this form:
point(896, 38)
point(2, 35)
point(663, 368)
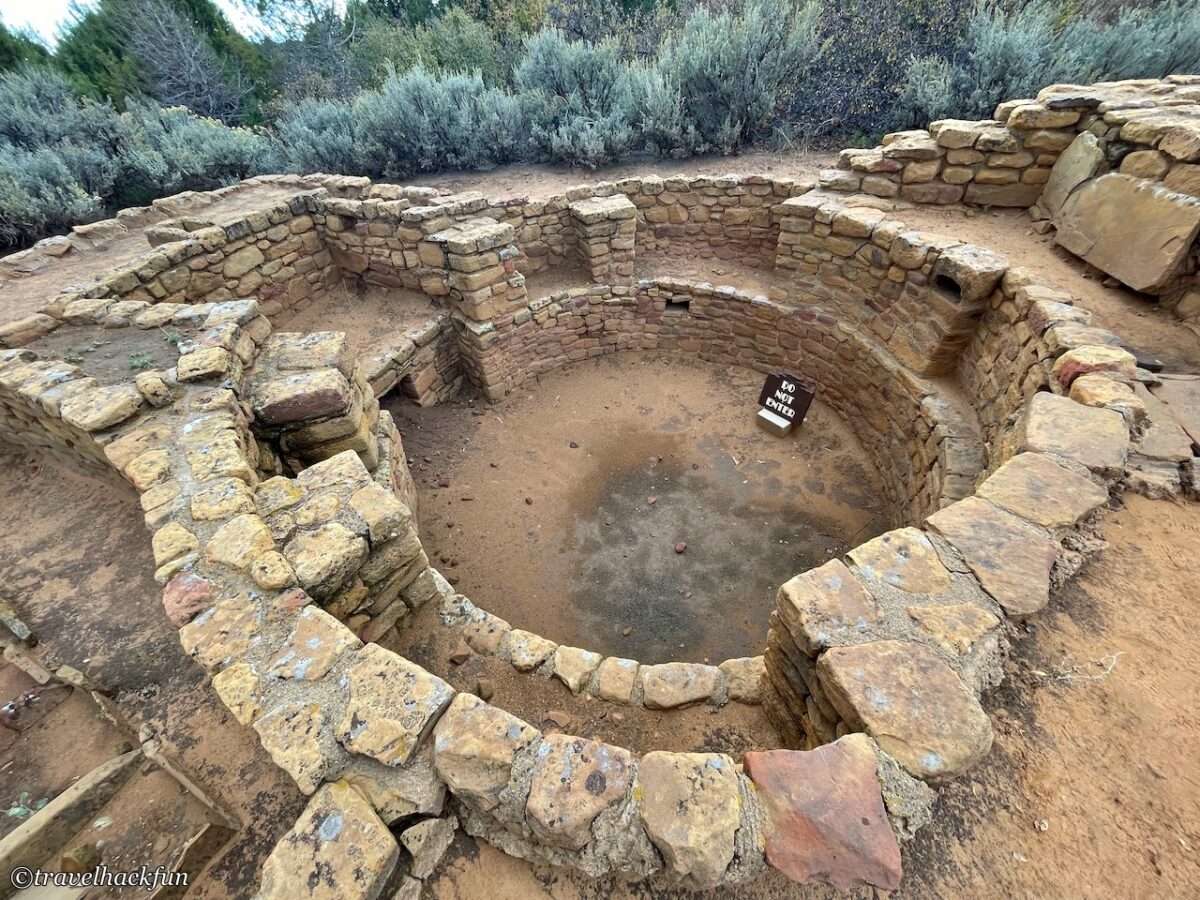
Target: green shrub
point(39, 195)
point(451, 43)
point(318, 136)
point(865, 50)
point(581, 95)
point(67, 159)
point(1007, 54)
point(166, 150)
point(735, 72)
point(418, 122)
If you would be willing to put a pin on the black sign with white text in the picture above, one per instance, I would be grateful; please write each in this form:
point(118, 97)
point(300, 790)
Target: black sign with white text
point(786, 396)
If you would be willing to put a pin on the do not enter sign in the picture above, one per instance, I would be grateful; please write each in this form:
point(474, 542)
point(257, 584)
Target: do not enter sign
point(785, 396)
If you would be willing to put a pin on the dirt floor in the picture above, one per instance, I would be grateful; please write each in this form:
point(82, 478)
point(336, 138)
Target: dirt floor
point(113, 355)
point(630, 505)
point(372, 317)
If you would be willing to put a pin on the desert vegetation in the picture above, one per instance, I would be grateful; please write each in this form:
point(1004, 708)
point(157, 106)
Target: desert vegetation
point(142, 98)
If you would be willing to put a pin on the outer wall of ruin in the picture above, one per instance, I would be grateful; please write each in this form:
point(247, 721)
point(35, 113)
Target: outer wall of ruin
point(285, 529)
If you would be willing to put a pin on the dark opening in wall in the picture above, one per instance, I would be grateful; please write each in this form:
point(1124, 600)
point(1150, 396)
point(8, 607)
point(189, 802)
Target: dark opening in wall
point(948, 286)
point(678, 307)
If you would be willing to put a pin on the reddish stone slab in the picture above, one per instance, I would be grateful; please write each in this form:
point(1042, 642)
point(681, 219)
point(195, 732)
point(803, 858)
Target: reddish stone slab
point(185, 596)
point(828, 822)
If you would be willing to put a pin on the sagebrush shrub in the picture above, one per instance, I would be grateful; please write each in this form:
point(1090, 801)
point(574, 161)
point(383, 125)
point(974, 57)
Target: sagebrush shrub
point(419, 122)
point(582, 96)
point(1007, 53)
point(318, 136)
point(734, 72)
point(40, 195)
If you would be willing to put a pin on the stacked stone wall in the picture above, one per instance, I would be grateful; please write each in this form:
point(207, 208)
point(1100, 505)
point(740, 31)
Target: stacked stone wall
point(925, 450)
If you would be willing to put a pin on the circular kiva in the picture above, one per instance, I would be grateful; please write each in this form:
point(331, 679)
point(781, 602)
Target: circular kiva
point(285, 526)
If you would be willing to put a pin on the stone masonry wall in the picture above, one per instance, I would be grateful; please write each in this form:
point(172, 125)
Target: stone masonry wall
point(925, 450)
point(276, 255)
point(919, 294)
point(1086, 159)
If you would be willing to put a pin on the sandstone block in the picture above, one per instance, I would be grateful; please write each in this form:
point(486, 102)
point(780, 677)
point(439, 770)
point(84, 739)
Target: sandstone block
point(203, 364)
point(171, 542)
point(399, 791)
point(239, 689)
point(574, 781)
point(824, 606)
point(101, 407)
point(690, 807)
point(616, 679)
point(974, 272)
point(828, 821)
point(1105, 393)
point(292, 734)
point(316, 643)
point(1095, 438)
point(239, 541)
point(242, 261)
point(337, 850)
point(1010, 557)
point(574, 667)
point(744, 677)
point(1036, 488)
point(301, 397)
point(675, 684)
point(905, 559)
point(293, 350)
point(526, 650)
point(1034, 116)
point(184, 596)
point(1133, 229)
point(1146, 164)
point(393, 705)
point(427, 842)
point(911, 702)
point(957, 627)
point(323, 558)
point(1018, 194)
point(385, 515)
point(474, 747)
point(223, 632)
point(1092, 360)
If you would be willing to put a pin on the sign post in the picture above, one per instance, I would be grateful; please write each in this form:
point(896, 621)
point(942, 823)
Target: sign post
point(785, 401)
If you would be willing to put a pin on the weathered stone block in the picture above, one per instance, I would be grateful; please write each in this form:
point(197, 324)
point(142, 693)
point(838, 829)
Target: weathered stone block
point(824, 606)
point(911, 702)
point(393, 704)
point(1133, 229)
point(670, 685)
point(828, 821)
point(574, 781)
point(1095, 438)
point(1011, 557)
point(337, 850)
point(905, 559)
point(690, 807)
point(474, 747)
point(1036, 488)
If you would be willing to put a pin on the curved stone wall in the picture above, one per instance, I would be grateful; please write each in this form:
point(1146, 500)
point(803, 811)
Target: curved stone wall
point(285, 537)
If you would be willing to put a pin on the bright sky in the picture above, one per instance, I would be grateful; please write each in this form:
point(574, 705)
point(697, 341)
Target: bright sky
point(44, 16)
